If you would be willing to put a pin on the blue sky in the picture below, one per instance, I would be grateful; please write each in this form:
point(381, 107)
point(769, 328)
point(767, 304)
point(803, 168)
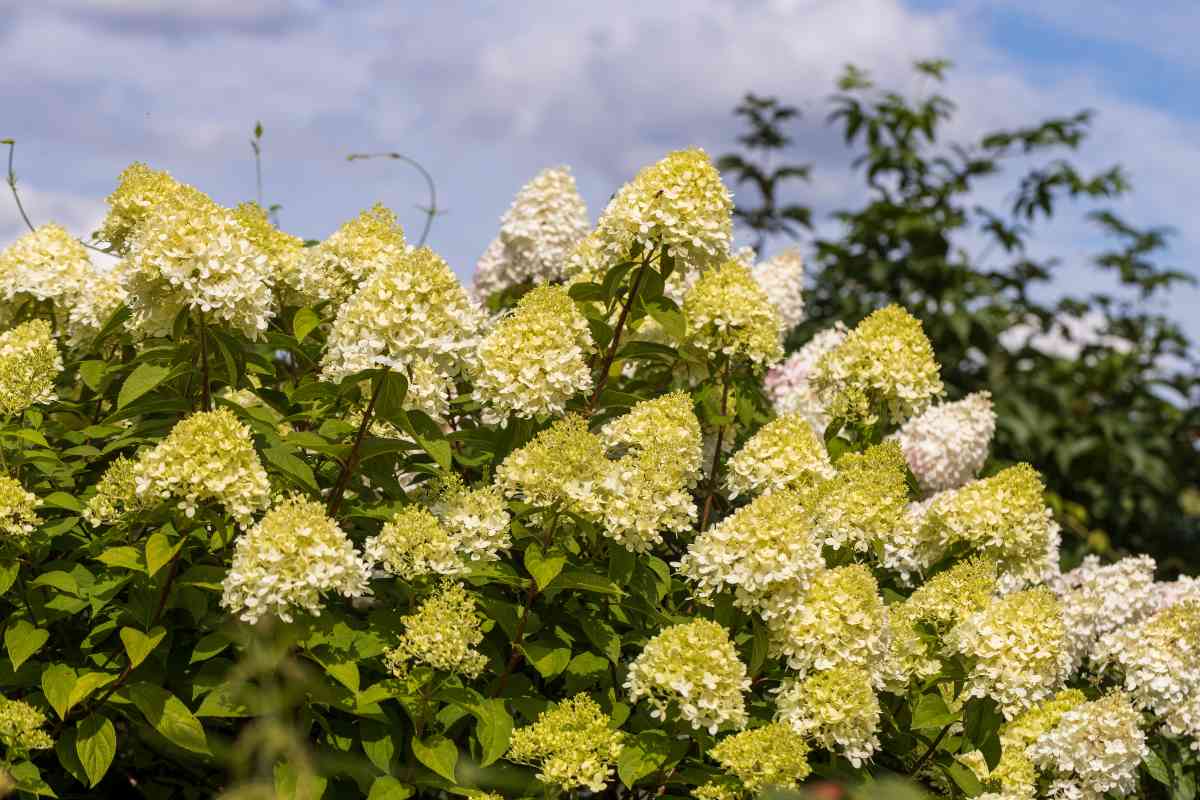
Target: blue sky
point(487, 93)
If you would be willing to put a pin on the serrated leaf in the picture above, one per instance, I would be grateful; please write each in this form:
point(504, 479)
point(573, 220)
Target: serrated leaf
point(547, 660)
point(22, 640)
point(386, 787)
point(169, 716)
point(439, 754)
point(95, 744)
point(57, 682)
point(143, 379)
point(304, 322)
point(159, 551)
point(139, 645)
point(544, 567)
point(493, 729)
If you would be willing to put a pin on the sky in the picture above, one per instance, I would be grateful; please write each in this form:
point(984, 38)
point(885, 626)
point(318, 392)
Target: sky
point(485, 94)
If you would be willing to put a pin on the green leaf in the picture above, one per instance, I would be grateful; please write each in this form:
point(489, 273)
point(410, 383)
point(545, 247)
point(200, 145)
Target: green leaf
point(96, 744)
point(124, 557)
point(547, 660)
point(345, 673)
point(758, 647)
point(57, 579)
point(62, 500)
point(1156, 768)
point(57, 682)
point(542, 566)
point(377, 743)
point(209, 646)
point(223, 702)
point(169, 716)
point(963, 777)
point(92, 373)
point(391, 389)
point(64, 748)
point(429, 435)
point(603, 637)
point(493, 729)
point(304, 322)
point(139, 645)
point(87, 683)
point(932, 712)
point(587, 582)
point(293, 466)
point(439, 754)
point(8, 574)
point(21, 640)
point(981, 728)
point(643, 756)
point(291, 784)
point(159, 551)
point(28, 778)
point(669, 317)
point(386, 787)
point(142, 380)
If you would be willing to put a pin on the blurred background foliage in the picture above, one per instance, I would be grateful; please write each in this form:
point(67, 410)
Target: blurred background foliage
point(1109, 414)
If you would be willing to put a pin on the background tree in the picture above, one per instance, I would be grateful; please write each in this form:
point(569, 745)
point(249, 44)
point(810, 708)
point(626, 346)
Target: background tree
point(1113, 428)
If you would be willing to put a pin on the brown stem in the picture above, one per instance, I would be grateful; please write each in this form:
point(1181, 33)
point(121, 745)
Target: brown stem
point(933, 746)
point(205, 398)
point(716, 459)
point(339, 488)
point(514, 658)
point(616, 338)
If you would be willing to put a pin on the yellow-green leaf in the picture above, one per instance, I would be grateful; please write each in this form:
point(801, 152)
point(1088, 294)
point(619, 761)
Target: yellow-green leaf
point(169, 716)
point(22, 640)
point(139, 645)
point(439, 754)
point(96, 744)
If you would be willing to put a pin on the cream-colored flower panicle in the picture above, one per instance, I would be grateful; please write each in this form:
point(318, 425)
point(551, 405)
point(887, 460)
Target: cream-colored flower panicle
point(1094, 751)
point(47, 265)
point(411, 309)
point(207, 457)
point(647, 489)
point(864, 502)
point(534, 361)
point(291, 557)
point(116, 494)
point(786, 452)
point(477, 519)
point(763, 552)
point(886, 365)
point(836, 709)
point(29, 365)
point(572, 745)
point(140, 192)
point(947, 445)
point(17, 510)
point(773, 756)
point(729, 314)
point(283, 251)
point(560, 467)
point(1158, 661)
point(335, 268)
point(192, 254)
point(694, 668)
point(21, 729)
point(1097, 599)
point(1002, 517)
point(789, 383)
point(840, 621)
point(413, 543)
point(538, 232)
point(680, 203)
point(1018, 650)
point(442, 633)
point(782, 278)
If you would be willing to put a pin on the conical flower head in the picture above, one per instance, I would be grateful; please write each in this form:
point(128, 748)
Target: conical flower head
point(729, 314)
point(947, 444)
point(786, 452)
point(338, 266)
point(572, 745)
point(441, 633)
point(17, 511)
point(761, 758)
point(29, 364)
point(886, 364)
point(534, 361)
point(789, 383)
point(561, 466)
point(836, 709)
point(782, 278)
point(140, 192)
point(283, 251)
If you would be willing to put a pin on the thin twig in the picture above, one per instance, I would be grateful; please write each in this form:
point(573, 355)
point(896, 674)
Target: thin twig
point(205, 398)
point(932, 747)
point(716, 459)
point(515, 656)
point(602, 378)
point(339, 488)
point(12, 184)
point(432, 209)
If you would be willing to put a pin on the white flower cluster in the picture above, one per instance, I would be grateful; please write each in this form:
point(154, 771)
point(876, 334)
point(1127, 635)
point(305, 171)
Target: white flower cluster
point(538, 232)
point(477, 519)
point(534, 361)
point(1094, 751)
point(782, 278)
point(694, 666)
point(1097, 599)
point(785, 452)
point(837, 709)
point(442, 633)
point(288, 560)
point(29, 365)
point(17, 507)
point(338, 266)
point(947, 445)
point(788, 382)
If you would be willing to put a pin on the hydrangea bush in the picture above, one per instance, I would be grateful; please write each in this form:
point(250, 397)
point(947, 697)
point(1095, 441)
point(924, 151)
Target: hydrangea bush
point(297, 521)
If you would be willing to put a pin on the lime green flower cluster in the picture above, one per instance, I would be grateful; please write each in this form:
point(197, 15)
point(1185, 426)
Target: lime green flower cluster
point(283, 251)
point(729, 314)
point(764, 552)
point(116, 494)
point(647, 489)
point(207, 457)
point(785, 452)
point(886, 364)
point(836, 709)
point(411, 308)
point(17, 510)
point(338, 266)
point(140, 191)
point(29, 364)
point(864, 502)
point(773, 756)
point(21, 729)
point(535, 360)
point(572, 744)
point(680, 203)
point(442, 633)
point(841, 621)
point(288, 560)
point(1017, 649)
point(694, 666)
point(412, 544)
point(560, 467)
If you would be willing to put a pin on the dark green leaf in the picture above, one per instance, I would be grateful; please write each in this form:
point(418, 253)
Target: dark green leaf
point(96, 744)
point(142, 380)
